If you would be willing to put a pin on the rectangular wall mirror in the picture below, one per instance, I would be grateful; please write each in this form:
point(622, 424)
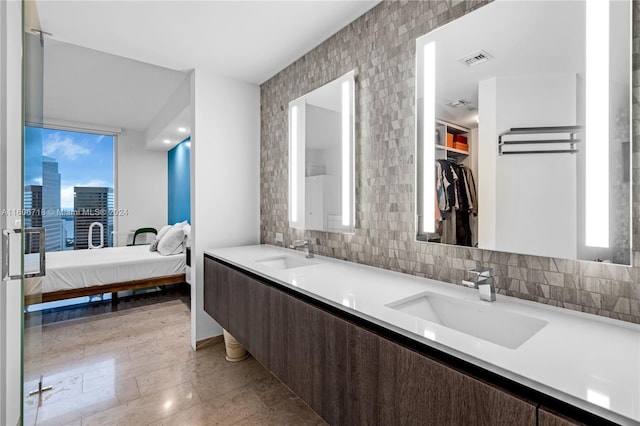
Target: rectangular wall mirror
point(321, 158)
point(523, 130)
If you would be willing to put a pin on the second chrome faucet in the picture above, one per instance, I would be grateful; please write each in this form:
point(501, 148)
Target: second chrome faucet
point(482, 279)
point(306, 245)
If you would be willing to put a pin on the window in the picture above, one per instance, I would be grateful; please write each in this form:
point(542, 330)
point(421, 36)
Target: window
point(68, 181)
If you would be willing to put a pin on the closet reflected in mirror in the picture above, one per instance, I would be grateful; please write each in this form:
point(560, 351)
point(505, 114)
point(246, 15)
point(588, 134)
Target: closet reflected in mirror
point(321, 158)
point(523, 130)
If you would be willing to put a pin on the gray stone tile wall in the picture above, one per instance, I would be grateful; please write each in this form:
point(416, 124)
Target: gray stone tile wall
point(380, 46)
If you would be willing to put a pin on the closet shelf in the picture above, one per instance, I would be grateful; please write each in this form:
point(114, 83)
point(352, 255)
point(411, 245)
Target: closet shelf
point(564, 140)
point(452, 151)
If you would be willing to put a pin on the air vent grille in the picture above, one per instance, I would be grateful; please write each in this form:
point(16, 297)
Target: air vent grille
point(476, 58)
point(458, 103)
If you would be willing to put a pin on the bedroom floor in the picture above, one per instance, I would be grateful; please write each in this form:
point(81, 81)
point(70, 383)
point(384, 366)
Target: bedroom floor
point(135, 366)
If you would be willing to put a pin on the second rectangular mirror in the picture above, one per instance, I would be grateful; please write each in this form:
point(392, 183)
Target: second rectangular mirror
point(321, 158)
point(523, 113)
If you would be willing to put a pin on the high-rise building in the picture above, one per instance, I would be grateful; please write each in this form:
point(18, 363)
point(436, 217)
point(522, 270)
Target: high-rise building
point(33, 216)
point(51, 204)
point(33, 206)
point(42, 202)
point(92, 204)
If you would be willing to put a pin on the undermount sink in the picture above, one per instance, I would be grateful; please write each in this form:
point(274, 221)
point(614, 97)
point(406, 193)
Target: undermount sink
point(479, 319)
point(285, 262)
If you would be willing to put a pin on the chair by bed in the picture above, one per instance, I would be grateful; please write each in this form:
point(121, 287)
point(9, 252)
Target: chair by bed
point(142, 231)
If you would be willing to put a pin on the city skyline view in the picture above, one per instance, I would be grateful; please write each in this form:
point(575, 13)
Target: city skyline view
point(59, 166)
point(84, 159)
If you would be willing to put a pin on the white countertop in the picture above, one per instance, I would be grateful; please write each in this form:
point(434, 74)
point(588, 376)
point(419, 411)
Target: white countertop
point(588, 361)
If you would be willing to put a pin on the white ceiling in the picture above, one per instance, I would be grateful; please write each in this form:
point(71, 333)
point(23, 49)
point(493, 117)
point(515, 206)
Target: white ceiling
point(118, 64)
point(86, 86)
point(246, 40)
point(524, 38)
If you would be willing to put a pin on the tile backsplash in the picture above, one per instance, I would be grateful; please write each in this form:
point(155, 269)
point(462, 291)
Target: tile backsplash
point(380, 46)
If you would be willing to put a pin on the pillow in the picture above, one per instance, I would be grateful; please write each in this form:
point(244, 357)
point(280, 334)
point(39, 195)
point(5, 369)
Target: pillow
point(162, 231)
point(154, 244)
point(172, 242)
point(187, 234)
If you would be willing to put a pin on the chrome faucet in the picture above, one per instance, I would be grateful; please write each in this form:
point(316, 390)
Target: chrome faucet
point(306, 244)
point(482, 280)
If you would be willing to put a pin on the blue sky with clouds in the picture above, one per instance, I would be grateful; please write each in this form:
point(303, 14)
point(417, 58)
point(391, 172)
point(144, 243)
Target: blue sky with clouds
point(83, 159)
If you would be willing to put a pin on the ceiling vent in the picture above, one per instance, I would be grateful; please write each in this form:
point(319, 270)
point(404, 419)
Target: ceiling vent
point(476, 58)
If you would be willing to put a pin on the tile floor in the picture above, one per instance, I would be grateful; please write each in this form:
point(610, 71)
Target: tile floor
point(136, 367)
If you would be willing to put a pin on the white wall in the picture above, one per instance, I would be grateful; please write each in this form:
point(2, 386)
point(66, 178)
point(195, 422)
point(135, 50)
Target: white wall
point(333, 160)
point(472, 162)
point(225, 177)
point(10, 198)
point(323, 149)
point(487, 157)
point(536, 202)
point(323, 136)
point(141, 186)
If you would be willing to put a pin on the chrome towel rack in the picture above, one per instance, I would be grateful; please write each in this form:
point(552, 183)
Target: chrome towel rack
point(544, 140)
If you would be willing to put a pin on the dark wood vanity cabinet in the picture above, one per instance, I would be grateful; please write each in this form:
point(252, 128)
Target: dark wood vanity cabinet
point(249, 314)
point(309, 354)
point(346, 373)
point(217, 281)
point(547, 417)
point(390, 384)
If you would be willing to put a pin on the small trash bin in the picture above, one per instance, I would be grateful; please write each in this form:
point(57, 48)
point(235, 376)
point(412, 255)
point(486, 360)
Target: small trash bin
point(235, 351)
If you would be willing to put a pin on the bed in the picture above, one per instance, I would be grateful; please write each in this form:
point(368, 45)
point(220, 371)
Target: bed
point(77, 273)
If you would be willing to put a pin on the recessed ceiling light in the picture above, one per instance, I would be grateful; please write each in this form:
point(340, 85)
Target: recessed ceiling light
point(182, 129)
point(167, 141)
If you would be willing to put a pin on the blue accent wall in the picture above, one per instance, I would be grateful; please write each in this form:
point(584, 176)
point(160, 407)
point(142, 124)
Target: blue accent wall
point(180, 182)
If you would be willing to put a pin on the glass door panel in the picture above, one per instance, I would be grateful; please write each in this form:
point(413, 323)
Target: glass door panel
point(32, 231)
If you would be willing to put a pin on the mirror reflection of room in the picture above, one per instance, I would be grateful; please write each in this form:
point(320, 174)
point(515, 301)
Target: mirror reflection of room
point(456, 194)
point(322, 166)
point(321, 158)
point(520, 142)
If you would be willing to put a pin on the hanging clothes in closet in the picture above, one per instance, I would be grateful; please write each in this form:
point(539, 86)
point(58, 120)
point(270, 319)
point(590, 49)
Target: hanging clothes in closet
point(457, 200)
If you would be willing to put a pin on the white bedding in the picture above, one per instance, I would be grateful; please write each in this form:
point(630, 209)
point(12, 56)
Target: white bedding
point(73, 269)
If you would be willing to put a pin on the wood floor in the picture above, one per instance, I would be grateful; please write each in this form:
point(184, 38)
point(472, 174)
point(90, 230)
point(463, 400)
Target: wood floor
point(133, 365)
